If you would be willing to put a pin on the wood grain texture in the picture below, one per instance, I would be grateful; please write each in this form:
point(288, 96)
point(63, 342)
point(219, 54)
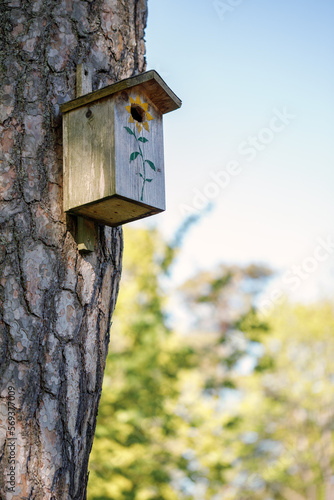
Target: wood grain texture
point(86, 235)
point(115, 211)
point(84, 79)
point(128, 180)
point(89, 154)
point(154, 86)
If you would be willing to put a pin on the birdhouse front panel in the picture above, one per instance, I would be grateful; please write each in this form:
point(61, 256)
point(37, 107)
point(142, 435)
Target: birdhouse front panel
point(140, 159)
point(113, 150)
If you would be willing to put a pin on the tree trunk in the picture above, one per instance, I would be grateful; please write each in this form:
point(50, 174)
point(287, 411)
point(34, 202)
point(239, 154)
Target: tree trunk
point(55, 304)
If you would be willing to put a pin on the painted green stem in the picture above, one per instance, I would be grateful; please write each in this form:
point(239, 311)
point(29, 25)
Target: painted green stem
point(144, 169)
point(144, 180)
point(135, 154)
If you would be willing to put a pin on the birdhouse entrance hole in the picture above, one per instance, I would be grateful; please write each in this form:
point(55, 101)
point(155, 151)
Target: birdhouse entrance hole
point(137, 113)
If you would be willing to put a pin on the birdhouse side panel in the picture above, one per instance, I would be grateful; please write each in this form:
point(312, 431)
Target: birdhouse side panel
point(139, 154)
point(89, 158)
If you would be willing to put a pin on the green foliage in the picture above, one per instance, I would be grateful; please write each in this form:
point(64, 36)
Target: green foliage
point(286, 428)
point(183, 418)
point(135, 449)
point(252, 325)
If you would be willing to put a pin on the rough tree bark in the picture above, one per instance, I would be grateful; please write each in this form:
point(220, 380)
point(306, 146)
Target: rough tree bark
point(55, 304)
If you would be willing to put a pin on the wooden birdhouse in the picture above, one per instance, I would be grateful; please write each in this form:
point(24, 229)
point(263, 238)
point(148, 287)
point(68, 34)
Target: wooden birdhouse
point(113, 150)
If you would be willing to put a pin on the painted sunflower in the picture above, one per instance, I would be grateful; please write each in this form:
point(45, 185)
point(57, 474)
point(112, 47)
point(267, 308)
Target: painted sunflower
point(138, 113)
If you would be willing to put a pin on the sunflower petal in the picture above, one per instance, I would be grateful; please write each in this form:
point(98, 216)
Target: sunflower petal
point(131, 120)
point(149, 117)
point(138, 101)
point(144, 106)
point(132, 100)
point(128, 108)
point(146, 127)
point(138, 126)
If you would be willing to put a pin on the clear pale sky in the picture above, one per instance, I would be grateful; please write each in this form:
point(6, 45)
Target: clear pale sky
point(256, 78)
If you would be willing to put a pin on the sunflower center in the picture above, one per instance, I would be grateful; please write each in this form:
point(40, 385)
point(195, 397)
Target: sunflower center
point(137, 113)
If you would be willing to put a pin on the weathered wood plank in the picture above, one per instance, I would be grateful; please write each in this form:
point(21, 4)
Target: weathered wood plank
point(86, 235)
point(162, 96)
point(115, 211)
point(131, 175)
point(84, 79)
point(89, 173)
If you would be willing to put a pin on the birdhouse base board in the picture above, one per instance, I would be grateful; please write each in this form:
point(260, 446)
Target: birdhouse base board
point(115, 211)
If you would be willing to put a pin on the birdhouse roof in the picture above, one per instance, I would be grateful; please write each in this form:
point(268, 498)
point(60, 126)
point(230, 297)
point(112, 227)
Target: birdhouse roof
point(150, 83)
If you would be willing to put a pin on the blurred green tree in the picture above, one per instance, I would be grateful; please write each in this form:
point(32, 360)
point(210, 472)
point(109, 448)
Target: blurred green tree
point(136, 447)
point(286, 434)
point(158, 414)
point(270, 385)
point(238, 408)
point(221, 301)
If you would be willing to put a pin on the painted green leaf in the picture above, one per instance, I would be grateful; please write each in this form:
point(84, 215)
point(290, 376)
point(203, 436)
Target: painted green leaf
point(142, 139)
point(129, 131)
point(134, 155)
point(151, 164)
point(141, 175)
point(149, 180)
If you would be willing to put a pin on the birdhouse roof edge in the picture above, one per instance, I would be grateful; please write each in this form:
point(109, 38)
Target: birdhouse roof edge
point(150, 81)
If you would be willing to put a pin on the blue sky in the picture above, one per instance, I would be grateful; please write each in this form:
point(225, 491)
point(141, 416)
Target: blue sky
point(239, 65)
